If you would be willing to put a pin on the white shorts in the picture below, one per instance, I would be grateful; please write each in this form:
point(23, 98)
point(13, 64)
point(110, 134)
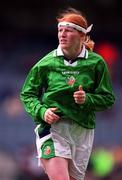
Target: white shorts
point(69, 140)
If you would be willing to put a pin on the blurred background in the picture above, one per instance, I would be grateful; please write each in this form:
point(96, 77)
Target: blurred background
point(28, 31)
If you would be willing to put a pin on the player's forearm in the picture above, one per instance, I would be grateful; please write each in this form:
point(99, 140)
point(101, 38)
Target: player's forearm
point(99, 102)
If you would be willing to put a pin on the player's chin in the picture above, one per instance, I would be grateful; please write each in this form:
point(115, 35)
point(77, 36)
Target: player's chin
point(64, 46)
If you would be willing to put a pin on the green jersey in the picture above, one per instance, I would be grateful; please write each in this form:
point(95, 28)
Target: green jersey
point(53, 81)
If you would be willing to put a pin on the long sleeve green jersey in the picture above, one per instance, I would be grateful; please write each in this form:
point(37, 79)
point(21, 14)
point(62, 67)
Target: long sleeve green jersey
point(52, 82)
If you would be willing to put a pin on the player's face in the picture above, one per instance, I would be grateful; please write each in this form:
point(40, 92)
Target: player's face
point(69, 38)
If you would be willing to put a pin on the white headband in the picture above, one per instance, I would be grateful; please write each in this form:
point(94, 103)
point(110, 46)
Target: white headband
point(79, 28)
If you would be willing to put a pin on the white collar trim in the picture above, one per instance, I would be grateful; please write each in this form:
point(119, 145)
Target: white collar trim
point(83, 53)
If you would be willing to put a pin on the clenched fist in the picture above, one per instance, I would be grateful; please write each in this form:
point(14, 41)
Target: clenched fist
point(50, 116)
point(79, 96)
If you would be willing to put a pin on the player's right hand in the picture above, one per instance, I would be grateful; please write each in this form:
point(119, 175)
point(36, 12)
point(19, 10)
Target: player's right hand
point(50, 116)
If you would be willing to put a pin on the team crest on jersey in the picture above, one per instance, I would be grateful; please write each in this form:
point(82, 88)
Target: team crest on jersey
point(70, 80)
point(47, 150)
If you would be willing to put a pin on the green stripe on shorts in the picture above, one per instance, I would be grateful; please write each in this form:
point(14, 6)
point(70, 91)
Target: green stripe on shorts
point(47, 149)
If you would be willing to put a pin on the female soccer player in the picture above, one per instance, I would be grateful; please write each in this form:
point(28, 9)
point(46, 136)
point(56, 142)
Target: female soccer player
point(75, 83)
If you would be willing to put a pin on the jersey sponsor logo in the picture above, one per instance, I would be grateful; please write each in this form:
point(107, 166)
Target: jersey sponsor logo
point(70, 72)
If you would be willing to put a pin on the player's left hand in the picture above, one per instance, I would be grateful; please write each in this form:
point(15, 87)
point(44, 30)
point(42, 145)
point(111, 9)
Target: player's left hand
point(79, 96)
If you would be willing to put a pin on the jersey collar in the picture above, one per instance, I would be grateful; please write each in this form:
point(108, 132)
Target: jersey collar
point(83, 53)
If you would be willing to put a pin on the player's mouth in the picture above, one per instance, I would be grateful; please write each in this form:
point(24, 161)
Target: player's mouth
point(63, 42)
